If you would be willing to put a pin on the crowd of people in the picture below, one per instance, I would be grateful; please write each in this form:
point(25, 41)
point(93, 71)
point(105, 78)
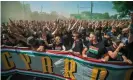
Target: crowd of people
point(107, 40)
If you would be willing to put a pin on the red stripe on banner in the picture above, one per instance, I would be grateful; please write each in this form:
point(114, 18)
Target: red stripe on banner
point(88, 58)
point(71, 53)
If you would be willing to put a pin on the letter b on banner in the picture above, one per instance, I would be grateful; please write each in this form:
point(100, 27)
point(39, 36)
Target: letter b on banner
point(70, 68)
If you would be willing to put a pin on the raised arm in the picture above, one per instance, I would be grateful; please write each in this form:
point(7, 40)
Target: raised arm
point(115, 53)
point(55, 31)
point(74, 25)
point(69, 26)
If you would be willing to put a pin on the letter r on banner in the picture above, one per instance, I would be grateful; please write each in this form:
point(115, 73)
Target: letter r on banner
point(70, 68)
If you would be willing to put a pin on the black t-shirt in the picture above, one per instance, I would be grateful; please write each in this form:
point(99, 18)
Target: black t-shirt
point(70, 39)
point(120, 53)
point(105, 29)
point(65, 39)
point(98, 33)
point(49, 36)
point(107, 42)
point(21, 44)
point(7, 43)
point(58, 46)
point(42, 43)
point(77, 46)
point(35, 42)
point(95, 50)
point(130, 51)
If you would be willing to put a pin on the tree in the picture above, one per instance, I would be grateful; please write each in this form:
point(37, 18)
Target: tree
point(106, 15)
point(123, 7)
point(113, 16)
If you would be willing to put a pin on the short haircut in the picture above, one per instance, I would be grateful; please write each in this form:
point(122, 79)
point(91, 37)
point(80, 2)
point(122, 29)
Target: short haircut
point(93, 33)
point(113, 27)
point(76, 33)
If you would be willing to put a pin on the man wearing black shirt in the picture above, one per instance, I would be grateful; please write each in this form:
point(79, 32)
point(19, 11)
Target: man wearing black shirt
point(94, 49)
point(107, 39)
point(116, 52)
point(130, 39)
point(77, 46)
point(113, 32)
point(58, 45)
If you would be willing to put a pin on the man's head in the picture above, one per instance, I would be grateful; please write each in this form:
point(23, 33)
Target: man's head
point(31, 41)
point(57, 39)
point(113, 29)
point(75, 35)
point(92, 37)
point(108, 35)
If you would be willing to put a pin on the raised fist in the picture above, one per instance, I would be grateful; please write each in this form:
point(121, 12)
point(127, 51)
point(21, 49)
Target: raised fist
point(121, 45)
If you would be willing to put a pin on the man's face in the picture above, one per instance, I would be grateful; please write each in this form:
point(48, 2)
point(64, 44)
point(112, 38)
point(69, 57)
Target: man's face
point(74, 36)
point(114, 30)
point(58, 40)
point(92, 37)
point(107, 36)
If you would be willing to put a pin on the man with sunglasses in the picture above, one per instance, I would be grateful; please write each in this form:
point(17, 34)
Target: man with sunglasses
point(77, 46)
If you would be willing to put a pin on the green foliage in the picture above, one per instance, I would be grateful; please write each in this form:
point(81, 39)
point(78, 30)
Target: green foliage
point(123, 7)
point(113, 16)
point(87, 15)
